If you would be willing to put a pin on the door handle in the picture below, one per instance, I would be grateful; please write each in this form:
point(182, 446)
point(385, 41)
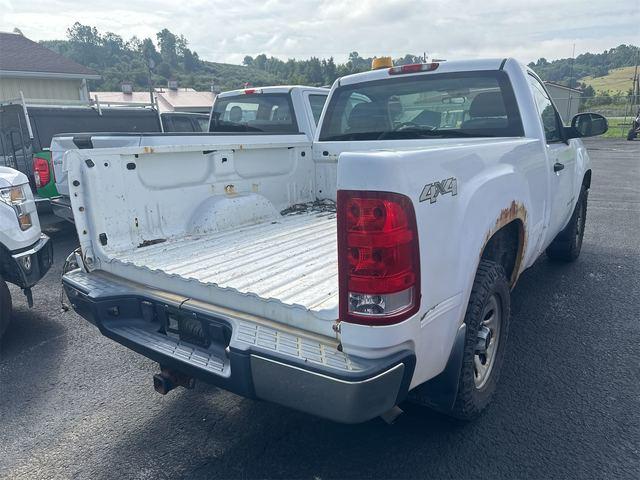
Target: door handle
point(558, 166)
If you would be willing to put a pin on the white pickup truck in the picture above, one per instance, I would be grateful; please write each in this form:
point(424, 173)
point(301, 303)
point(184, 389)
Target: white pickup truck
point(25, 252)
point(339, 275)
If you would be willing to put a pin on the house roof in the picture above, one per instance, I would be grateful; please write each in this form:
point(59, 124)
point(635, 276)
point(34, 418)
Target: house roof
point(182, 100)
point(20, 57)
point(186, 100)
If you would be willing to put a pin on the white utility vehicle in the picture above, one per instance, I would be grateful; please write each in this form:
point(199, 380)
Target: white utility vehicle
point(343, 274)
point(25, 253)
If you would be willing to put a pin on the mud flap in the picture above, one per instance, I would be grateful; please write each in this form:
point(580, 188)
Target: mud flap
point(440, 392)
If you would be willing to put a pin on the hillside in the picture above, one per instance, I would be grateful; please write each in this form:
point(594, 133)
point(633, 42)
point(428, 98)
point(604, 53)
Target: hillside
point(568, 71)
point(617, 80)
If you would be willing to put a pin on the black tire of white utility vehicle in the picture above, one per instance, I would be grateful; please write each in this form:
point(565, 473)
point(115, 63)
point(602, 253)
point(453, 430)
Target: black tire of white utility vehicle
point(632, 134)
point(5, 307)
point(490, 282)
point(567, 245)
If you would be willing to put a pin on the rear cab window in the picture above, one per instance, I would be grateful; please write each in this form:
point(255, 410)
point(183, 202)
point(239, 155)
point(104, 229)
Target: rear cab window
point(182, 124)
point(461, 104)
point(259, 112)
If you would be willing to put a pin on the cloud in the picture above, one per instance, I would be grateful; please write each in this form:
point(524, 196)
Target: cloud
point(227, 31)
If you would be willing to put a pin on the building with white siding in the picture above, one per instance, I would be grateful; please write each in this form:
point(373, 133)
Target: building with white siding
point(567, 99)
point(39, 73)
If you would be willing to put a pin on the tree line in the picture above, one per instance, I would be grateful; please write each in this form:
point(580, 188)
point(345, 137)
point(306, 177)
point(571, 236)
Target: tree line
point(168, 56)
point(316, 71)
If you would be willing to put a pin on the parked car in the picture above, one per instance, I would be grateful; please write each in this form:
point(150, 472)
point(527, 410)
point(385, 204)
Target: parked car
point(25, 252)
point(262, 112)
point(342, 274)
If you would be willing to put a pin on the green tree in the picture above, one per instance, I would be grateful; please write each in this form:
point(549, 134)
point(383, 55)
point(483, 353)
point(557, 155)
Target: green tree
point(149, 52)
point(168, 44)
point(164, 70)
point(329, 71)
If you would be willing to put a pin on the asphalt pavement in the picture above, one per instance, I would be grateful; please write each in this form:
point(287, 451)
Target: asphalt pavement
point(74, 404)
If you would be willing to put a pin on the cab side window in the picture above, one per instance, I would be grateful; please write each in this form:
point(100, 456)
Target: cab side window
point(547, 112)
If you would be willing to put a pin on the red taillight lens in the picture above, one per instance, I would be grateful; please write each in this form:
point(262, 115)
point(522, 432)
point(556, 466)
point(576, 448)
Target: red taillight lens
point(413, 68)
point(41, 171)
point(378, 258)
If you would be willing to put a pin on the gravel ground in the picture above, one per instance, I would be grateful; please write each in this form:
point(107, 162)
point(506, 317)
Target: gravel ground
point(76, 405)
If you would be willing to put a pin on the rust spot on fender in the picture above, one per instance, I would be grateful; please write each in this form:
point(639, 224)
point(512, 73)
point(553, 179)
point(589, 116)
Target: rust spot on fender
point(148, 150)
point(515, 211)
point(507, 215)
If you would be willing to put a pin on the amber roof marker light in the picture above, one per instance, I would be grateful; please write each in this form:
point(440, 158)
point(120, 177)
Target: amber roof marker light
point(381, 62)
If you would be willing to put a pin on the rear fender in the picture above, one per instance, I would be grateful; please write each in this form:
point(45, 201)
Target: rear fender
point(493, 201)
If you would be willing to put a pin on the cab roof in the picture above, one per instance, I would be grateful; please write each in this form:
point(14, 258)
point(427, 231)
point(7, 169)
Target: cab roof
point(273, 89)
point(442, 67)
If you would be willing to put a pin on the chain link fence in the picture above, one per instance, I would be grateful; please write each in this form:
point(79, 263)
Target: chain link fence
point(620, 110)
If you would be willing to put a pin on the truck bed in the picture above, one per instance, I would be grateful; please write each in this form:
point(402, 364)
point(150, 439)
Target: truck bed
point(292, 261)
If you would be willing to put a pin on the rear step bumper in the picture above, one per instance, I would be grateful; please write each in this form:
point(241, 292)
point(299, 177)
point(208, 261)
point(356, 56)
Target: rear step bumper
point(248, 356)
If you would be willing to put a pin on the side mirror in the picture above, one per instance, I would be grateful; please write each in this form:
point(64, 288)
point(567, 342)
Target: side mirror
point(588, 125)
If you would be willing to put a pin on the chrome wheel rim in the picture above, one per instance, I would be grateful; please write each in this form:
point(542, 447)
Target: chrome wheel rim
point(487, 341)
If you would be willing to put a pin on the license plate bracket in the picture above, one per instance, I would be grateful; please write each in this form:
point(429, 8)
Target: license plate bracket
point(196, 329)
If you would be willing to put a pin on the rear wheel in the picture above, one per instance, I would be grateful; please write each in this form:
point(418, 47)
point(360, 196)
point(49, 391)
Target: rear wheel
point(487, 322)
point(632, 134)
point(5, 306)
point(567, 245)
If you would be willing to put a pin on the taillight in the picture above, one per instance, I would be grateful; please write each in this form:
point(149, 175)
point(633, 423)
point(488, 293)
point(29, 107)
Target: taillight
point(378, 258)
point(41, 171)
point(413, 68)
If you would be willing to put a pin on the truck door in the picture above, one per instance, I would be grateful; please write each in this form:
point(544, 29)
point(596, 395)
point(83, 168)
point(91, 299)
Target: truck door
point(561, 161)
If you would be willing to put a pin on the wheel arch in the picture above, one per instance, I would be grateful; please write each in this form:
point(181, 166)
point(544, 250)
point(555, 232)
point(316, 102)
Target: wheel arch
point(506, 247)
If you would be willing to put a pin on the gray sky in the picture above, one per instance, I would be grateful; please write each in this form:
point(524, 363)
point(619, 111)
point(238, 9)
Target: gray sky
point(226, 31)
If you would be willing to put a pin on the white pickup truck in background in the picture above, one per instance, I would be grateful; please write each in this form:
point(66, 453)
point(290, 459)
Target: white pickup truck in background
point(342, 274)
point(26, 253)
point(282, 110)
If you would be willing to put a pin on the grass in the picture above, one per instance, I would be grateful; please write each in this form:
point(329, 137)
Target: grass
point(618, 127)
point(618, 80)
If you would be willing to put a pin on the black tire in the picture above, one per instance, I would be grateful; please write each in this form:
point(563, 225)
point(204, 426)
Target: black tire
point(632, 134)
point(567, 245)
point(5, 307)
point(490, 286)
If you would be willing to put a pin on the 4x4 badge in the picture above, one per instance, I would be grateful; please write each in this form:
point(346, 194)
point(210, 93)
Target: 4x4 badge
point(432, 190)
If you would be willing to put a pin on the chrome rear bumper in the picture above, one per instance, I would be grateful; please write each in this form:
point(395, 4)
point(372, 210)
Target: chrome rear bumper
point(249, 356)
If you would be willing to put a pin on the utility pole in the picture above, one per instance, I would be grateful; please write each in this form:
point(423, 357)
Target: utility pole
point(151, 65)
point(573, 59)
